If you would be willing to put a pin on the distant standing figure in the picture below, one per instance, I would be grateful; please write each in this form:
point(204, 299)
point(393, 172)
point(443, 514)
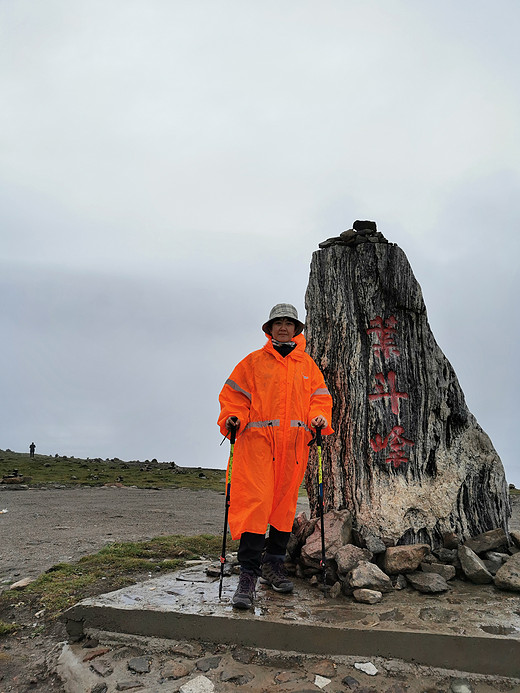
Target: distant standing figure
point(32, 448)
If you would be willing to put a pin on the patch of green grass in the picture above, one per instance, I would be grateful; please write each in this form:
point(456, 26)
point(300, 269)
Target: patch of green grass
point(7, 628)
point(115, 566)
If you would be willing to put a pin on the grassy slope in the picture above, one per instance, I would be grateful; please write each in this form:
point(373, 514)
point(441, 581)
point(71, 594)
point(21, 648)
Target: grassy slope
point(44, 469)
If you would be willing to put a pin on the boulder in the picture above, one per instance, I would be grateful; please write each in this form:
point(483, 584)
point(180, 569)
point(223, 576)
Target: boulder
point(368, 576)
point(408, 458)
point(429, 583)
point(448, 572)
point(496, 556)
point(494, 560)
point(200, 684)
point(487, 541)
point(367, 540)
point(404, 559)
point(293, 548)
point(360, 225)
point(446, 555)
point(399, 582)
point(349, 556)
point(21, 584)
point(347, 235)
point(474, 569)
point(303, 527)
point(367, 596)
point(508, 576)
point(335, 590)
point(515, 537)
point(301, 530)
point(450, 540)
point(338, 532)
point(175, 670)
point(335, 240)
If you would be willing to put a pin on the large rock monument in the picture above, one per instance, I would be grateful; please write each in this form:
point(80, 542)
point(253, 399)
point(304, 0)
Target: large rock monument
point(408, 458)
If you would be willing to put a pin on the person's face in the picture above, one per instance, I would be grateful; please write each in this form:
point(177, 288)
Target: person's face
point(283, 329)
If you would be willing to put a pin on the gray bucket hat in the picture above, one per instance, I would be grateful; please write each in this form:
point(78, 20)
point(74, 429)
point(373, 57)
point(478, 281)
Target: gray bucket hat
point(283, 310)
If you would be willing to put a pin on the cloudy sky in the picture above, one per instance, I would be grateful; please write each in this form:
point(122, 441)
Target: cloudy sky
point(168, 167)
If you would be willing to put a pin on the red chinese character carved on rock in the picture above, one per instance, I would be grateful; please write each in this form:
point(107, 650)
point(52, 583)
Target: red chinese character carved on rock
point(396, 441)
point(385, 333)
point(392, 393)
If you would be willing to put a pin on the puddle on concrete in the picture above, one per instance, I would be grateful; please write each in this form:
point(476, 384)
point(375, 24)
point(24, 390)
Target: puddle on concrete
point(193, 578)
point(438, 614)
point(394, 615)
point(499, 630)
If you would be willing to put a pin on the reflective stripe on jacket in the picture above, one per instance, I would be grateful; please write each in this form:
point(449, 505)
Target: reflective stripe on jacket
point(275, 399)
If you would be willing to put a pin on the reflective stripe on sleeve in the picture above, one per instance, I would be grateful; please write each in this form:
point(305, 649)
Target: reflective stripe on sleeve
point(300, 424)
point(321, 391)
point(236, 387)
point(262, 424)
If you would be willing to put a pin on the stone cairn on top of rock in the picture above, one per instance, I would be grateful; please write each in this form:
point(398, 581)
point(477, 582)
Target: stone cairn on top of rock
point(414, 492)
point(361, 232)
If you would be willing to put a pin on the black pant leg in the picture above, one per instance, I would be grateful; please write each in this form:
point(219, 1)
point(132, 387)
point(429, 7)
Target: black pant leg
point(277, 543)
point(250, 552)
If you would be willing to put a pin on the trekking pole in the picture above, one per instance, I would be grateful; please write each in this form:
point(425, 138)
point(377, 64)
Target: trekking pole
point(320, 506)
point(232, 437)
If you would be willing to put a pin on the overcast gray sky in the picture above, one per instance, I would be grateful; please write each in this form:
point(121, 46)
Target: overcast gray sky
point(167, 169)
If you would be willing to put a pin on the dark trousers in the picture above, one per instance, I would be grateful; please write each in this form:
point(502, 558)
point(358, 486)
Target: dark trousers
point(252, 546)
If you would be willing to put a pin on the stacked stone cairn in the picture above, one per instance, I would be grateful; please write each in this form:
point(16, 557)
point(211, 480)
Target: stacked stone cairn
point(364, 567)
point(361, 232)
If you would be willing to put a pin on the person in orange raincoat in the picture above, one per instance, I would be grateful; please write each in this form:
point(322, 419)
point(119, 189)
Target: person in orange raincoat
point(274, 398)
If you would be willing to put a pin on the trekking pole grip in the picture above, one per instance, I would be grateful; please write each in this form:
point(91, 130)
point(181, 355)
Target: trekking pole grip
point(233, 431)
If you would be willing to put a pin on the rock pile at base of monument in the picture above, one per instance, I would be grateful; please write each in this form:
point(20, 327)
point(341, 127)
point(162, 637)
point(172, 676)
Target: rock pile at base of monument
point(365, 568)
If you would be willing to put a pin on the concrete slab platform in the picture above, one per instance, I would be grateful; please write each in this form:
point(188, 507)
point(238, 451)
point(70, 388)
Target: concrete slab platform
point(471, 628)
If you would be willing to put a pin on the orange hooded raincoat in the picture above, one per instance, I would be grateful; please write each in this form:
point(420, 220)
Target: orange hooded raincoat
point(275, 399)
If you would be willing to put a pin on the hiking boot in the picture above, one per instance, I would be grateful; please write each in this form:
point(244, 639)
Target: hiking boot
point(274, 575)
point(245, 592)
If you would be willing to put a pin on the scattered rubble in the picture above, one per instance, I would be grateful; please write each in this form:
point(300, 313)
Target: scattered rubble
point(21, 584)
point(367, 667)
point(210, 667)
